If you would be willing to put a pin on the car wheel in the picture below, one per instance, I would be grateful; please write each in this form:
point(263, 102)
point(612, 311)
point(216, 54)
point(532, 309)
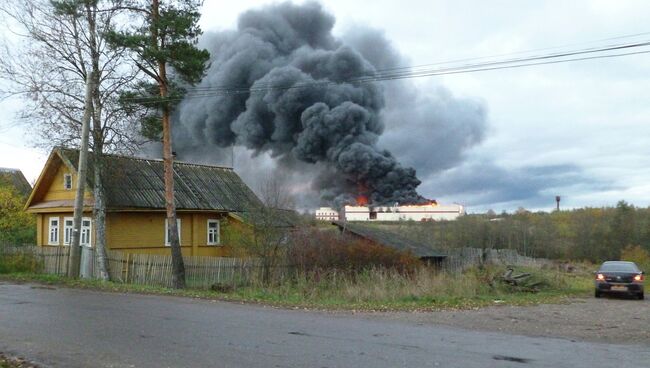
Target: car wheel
point(597, 294)
point(641, 296)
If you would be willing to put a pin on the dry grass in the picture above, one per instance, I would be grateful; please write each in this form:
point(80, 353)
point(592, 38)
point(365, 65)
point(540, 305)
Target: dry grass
point(376, 289)
point(424, 288)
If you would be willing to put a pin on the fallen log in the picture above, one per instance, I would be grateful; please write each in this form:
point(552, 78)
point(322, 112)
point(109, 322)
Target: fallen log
point(520, 282)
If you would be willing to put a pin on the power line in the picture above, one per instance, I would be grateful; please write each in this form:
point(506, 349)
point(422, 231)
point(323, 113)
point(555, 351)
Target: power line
point(381, 73)
point(322, 84)
point(526, 51)
point(386, 75)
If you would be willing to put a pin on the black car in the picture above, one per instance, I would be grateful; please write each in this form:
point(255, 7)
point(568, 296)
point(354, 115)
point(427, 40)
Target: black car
point(619, 277)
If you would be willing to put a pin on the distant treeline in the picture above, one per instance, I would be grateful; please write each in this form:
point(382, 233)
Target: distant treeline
point(593, 234)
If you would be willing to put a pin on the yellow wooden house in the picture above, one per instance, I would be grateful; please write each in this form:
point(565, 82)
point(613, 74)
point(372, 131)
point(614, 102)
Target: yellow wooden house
point(210, 200)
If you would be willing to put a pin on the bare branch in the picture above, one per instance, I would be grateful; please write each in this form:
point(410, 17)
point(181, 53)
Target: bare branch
point(49, 71)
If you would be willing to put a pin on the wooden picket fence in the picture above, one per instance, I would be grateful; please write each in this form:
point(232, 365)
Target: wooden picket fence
point(203, 271)
point(200, 271)
point(53, 261)
point(143, 269)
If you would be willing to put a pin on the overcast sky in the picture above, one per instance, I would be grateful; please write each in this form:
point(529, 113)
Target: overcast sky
point(579, 130)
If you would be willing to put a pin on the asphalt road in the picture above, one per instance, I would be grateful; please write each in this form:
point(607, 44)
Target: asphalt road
point(77, 328)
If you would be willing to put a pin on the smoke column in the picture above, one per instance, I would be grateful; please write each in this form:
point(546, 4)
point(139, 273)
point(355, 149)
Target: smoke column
point(331, 130)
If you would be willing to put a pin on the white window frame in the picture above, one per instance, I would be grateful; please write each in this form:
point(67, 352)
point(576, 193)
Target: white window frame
point(217, 233)
point(67, 230)
point(86, 232)
point(65, 181)
point(178, 225)
point(53, 231)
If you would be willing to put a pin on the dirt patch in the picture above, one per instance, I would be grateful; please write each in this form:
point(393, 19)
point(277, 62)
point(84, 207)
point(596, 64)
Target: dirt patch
point(611, 320)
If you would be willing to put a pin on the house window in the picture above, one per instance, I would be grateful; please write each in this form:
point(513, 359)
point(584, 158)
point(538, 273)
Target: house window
point(68, 223)
point(53, 238)
point(86, 227)
point(168, 233)
point(213, 232)
point(67, 181)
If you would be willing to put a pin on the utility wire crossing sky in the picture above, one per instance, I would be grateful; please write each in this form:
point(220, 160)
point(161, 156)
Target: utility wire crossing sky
point(421, 71)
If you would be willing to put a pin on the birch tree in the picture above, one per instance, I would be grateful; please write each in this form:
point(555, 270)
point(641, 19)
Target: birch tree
point(54, 48)
point(162, 43)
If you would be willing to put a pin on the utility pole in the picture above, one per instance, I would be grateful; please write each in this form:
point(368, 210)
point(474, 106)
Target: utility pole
point(75, 249)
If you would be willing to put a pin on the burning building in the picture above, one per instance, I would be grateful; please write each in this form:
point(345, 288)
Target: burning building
point(431, 211)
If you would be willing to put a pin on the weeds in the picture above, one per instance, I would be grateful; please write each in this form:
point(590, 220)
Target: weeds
point(372, 289)
point(387, 289)
point(19, 262)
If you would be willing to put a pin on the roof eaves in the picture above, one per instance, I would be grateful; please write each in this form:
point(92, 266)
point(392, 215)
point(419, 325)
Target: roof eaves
point(41, 177)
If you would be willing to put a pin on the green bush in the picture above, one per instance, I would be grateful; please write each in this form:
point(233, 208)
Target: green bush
point(16, 226)
point(18, 263)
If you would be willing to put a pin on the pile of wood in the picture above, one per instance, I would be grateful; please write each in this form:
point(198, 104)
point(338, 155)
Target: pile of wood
point(520, 282)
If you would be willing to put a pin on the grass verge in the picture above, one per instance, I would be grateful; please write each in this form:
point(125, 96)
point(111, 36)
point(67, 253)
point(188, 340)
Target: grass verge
point(372, 290)
point(10, 362)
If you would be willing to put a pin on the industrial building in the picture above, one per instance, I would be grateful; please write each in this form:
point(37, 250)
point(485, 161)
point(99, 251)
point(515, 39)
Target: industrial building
point(426, 212)
point(327, 214)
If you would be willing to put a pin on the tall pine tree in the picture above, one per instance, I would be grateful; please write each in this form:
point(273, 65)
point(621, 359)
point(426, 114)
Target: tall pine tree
point(165, 38)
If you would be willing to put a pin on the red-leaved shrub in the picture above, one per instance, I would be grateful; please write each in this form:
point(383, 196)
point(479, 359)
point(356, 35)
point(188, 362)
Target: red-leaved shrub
point(315, 250)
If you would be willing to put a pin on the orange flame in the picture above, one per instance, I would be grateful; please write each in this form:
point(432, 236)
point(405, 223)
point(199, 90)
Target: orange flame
point(429, 202)
point(362, 200)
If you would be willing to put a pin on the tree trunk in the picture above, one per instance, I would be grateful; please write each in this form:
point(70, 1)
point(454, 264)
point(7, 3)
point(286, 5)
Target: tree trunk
point(75, 250)
point(178, 267)
point(99, 211)
point(100, 216)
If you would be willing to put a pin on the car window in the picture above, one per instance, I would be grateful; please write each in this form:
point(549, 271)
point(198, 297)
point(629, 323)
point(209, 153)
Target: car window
point(619, 267)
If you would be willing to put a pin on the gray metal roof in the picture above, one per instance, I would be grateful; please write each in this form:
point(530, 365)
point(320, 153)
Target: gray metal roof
point(389, 239)
point(15, 179)
point(139, 183)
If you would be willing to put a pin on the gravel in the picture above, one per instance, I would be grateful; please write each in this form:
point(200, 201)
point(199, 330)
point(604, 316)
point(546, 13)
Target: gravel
point(609, 319)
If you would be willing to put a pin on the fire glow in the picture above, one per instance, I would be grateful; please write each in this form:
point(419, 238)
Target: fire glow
point(362, 200)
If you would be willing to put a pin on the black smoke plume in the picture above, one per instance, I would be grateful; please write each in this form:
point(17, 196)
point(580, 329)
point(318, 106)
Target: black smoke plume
point(316, 120)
